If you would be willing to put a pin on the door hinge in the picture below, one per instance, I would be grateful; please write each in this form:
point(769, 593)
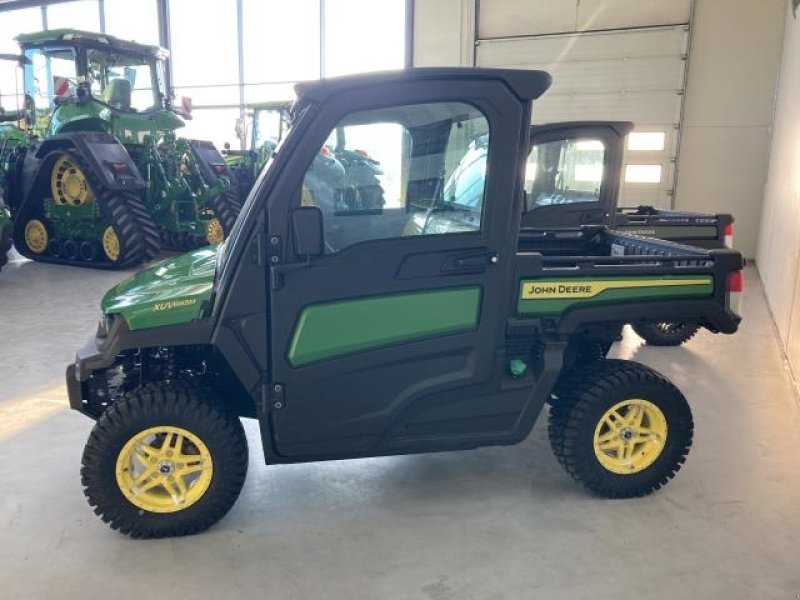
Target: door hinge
point(276, 396)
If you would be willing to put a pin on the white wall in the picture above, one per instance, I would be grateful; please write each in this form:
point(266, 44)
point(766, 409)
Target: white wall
point(733, 69)
point(779, 244)
point(443, 33)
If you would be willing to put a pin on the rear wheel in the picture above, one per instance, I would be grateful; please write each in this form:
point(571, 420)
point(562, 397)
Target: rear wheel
point(164, 462)
point(620, 428)
point(665, 334)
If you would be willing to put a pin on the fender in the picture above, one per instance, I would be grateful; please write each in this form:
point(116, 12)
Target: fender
point(212, 163)
point(101, 151)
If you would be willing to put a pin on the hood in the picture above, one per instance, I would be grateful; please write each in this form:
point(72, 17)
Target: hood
point(169, 292)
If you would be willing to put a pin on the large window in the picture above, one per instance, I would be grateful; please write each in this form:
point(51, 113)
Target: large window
point(363, 35)
point(12, 23)
point(403, 171)
point(140, 25)
point(281, 43)
point(80, 14)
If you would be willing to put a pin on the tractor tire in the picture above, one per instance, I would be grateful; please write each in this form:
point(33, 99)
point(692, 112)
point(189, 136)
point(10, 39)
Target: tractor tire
point(164, 461)
point(226, 209)
point(665, 334)
point(132, 225)
point(5, 245)
point(620, 428)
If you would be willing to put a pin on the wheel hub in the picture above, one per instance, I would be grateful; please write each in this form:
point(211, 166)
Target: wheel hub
point(630, 436)
point(69, 184)
point(164, 469)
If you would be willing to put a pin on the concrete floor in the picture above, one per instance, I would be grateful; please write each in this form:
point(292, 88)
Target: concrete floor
point(497, 523)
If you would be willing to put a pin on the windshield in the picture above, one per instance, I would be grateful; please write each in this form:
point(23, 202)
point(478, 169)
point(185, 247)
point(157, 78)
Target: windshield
point(49, 74)
point(268, 126)
point(125, 81)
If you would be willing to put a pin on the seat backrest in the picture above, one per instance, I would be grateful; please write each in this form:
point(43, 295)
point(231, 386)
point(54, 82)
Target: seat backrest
point(118, 93)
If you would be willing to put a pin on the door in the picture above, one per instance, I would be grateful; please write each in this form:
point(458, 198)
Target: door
point(389, 341)
point(572, 174)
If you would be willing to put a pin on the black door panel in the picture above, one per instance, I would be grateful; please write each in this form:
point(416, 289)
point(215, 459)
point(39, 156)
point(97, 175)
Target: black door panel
point(378, 332)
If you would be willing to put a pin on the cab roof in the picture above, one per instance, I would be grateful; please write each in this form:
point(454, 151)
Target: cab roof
point(89, 38)
point(526, 84)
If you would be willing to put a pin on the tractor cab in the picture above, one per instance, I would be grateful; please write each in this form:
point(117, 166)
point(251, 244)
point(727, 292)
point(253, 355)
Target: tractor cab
point(90, 81)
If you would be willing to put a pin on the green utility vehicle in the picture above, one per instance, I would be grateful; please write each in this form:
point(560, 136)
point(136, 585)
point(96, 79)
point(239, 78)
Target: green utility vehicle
point(102, 179)
point(368, 332)
point(589, 184)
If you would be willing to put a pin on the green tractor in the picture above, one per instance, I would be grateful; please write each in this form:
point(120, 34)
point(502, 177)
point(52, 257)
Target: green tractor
point(263, 127)
point(102, 180)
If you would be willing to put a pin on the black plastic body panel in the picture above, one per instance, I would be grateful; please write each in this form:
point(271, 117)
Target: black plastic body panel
point(212, 165)
point(99, 149)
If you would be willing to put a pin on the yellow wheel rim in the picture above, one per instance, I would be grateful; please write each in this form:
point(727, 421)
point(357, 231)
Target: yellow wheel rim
point(68, 183)
point(164, 469)
point(36, 237)
point(630, 436)
point(214, 232)
point(111, 244)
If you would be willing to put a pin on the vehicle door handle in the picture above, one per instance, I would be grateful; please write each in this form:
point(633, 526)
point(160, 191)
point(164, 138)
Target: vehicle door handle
point(470, 263)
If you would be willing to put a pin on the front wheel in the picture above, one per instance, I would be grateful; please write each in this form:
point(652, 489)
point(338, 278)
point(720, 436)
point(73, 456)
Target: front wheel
point(665, 334)
point(164, 461)
point(620, 428)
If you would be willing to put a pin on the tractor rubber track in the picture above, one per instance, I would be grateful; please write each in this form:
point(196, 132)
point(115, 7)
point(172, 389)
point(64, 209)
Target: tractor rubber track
point(226, 208)
point(137, 234)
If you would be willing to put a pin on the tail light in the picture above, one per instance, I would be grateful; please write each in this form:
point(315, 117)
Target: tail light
point(219, 169)
point(728, 233)
point(119, 168)
point(735, 286)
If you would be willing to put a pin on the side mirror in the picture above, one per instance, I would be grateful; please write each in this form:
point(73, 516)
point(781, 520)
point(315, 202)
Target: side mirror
point(309, 238)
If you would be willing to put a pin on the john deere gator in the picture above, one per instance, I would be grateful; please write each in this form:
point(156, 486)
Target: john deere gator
point(103, 180)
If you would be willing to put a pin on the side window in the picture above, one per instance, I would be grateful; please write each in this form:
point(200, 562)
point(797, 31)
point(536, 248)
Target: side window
point(564, 172)
point(401, 171)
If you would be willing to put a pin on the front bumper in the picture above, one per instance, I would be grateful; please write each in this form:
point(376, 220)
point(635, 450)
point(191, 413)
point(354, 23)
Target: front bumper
point(100, 353)
point(96, 354)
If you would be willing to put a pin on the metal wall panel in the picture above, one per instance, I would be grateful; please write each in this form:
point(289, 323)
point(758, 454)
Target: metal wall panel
point(634, 75)
point(502, 18)
point(619, 14)
point(506, 18)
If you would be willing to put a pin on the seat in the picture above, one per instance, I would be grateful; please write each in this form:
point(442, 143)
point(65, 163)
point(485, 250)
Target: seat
point(118, 94)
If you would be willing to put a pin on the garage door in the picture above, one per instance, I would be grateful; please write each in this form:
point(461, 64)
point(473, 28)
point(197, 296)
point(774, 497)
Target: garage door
point(632, 74)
